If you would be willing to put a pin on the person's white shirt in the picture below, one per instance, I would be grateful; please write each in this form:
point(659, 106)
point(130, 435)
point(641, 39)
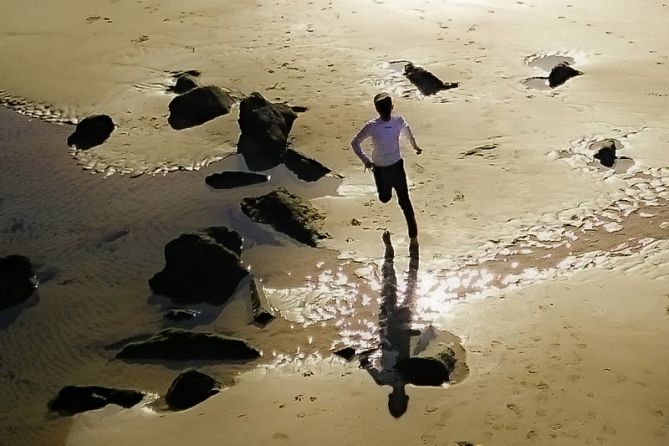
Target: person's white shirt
point(385, 136)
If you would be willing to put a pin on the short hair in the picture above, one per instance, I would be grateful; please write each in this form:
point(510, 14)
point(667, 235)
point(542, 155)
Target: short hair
point(383, 104)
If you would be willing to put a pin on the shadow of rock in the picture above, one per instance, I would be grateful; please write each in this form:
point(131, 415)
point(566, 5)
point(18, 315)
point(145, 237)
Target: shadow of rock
point(91, 131)
point(76, 399)
point(197, 106)
point(233, 179)
point(305, 168)
point(175, 344)
point(426, 82)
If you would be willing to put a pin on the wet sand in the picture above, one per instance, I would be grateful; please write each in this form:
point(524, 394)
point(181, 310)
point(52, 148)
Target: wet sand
point(551, 270)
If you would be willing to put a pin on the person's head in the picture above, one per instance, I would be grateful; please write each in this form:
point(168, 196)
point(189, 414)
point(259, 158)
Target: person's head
point(398, 401)
point(384, 105)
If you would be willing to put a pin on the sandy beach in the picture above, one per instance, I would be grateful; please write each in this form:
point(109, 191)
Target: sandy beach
point(544, 270)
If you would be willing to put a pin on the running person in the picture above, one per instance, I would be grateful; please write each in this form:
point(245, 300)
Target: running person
point(386, 163)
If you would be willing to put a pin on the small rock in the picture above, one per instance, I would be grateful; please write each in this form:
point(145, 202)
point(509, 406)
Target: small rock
point(355, 222)
point(263, 313)
point(91, 131)
point(197, 106)
point(348, 353)
point(17, 280)
point(190, 388)
point(605, 151)
point(185, 82)
point(75, 399)
point(561, 73)
point(427, 371)
point(426, 82)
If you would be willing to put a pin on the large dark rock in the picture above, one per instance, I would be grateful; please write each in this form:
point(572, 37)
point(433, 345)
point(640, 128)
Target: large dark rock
point(605, 151)
point(426, 82)
point(229, 180)
point(183, 345)
point(75, 399)
point(197, 106)
point(17, 280)
point(190, 388)
point(561, 73)
point(287, 213)
point(265, 127)
point(306, 169)
point(91, 131)
point(201, 267)
point(427, 371)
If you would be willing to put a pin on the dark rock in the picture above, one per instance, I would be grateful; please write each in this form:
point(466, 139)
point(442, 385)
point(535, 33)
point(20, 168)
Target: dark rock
point(91, 131)
point(185, 82)
point(17, 280)
point(426, 82)
point(265, 127)
point(229, 180)
point(263, 313)
point(427, 371)
point(605, 151)
point(561, 73)
point(199, 105)
point(348, 353)
point(306, 169)
point(190, 388)
point(286, 213)
point(181, 314)
point(75, 399)
point(201, 267)
point(183, 345)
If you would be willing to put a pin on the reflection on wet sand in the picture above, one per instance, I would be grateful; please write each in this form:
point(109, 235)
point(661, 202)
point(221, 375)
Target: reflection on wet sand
point(396, 331)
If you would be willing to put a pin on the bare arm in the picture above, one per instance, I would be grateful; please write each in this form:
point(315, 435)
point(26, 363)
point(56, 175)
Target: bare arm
point(407, 131)
point(355, 144)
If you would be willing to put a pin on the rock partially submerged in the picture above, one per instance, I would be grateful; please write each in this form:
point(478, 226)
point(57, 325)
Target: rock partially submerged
point(175, 344)
point(426, 82)
point(265, 127)
point(91, 131)
point(17, 280)
point(287, 213)
point(263, 313)
point(427, 371)
point(201, 267)
point(181, 314)
point(306, 169)
point(190, 388)
point(75, 399)
point(197, 106)
point(561, 73)
point(230, 180)
point(605, 151)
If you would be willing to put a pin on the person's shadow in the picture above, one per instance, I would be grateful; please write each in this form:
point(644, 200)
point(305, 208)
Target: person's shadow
point(396, 332)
